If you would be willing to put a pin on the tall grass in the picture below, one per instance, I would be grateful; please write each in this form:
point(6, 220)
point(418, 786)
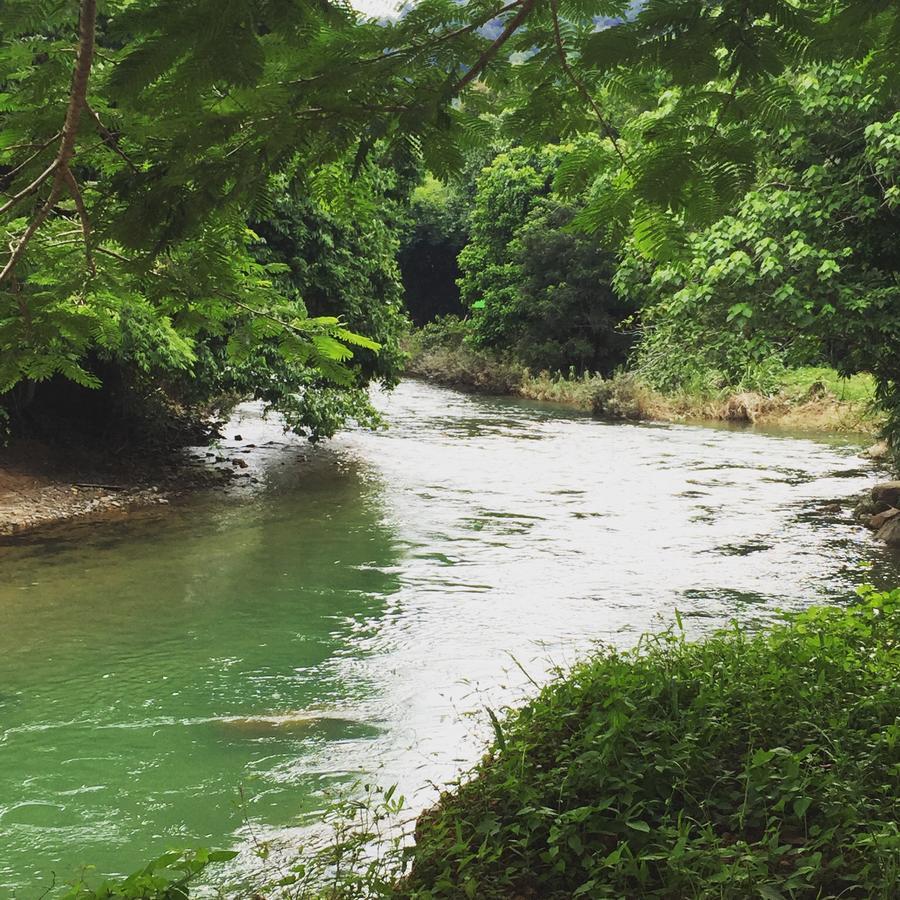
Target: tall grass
point(813, 398)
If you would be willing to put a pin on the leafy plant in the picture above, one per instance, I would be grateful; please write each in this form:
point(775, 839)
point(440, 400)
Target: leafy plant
point(168, 877)
point(741, 765)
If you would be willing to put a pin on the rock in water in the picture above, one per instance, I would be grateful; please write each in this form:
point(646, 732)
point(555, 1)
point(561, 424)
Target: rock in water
point(890, 532)
point(881, 519)
point(877, 451)
point(287, 723)
point(888, 493)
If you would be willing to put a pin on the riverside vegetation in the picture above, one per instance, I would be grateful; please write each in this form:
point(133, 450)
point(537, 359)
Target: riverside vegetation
point(203, 202)
point(817, 398)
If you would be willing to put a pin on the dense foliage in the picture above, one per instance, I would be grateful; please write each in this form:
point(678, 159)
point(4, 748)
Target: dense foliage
point(805, 271)
point(130, 255)
point(743, 765)
point(140, 137)
point(534, 285)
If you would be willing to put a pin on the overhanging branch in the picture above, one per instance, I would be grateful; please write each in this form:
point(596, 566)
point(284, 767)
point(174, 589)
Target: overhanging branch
point(525, 7)
point(59, 168)
point(581, 87)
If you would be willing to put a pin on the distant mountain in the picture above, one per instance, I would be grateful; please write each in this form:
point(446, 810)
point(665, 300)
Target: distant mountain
point(396, 9)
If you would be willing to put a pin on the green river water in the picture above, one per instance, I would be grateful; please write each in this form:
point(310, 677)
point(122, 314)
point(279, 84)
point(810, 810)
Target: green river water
point(373, 591)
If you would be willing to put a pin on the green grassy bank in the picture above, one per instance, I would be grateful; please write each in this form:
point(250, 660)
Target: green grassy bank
point(763, 765)
point(812, 398)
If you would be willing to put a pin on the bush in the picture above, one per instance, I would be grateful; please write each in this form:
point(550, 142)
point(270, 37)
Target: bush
point(536, 286)
point(739, 766)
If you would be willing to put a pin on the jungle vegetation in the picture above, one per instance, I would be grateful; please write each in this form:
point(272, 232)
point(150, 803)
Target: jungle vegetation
point(207, 199)
point(204, 200)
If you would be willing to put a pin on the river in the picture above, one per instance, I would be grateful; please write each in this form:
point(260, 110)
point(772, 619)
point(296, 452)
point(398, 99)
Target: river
point(375, 589)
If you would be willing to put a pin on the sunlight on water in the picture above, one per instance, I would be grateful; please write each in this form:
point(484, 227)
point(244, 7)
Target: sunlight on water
point(343, 614)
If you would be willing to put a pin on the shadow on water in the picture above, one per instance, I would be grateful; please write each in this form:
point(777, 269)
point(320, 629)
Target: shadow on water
point(152, 667)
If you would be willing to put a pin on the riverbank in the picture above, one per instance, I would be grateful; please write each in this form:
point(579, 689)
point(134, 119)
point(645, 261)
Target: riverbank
point(811, 399)
point(43, 485)
point(741, 765)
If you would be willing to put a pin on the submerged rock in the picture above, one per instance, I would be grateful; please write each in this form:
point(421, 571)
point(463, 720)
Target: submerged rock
point(287, 723)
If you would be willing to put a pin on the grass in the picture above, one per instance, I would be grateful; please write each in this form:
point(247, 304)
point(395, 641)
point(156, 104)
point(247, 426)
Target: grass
point(739, 766)
point(803, 382)
point(811, 398)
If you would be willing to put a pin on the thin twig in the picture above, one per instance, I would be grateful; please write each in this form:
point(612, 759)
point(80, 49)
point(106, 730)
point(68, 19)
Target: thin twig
point(8, 176)
point(415, 48)
point(109, 139)
point(75, 191)
point(97, 249)
point(264, 315)
point(30, 189)
point(581, 87)
point(114, 255)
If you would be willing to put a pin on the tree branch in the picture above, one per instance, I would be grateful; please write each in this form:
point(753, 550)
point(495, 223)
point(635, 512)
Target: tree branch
point(75, 191)
point(109, 139)
point(87, 22)
point(525, 7)
point(59, 168)
point(581, 87)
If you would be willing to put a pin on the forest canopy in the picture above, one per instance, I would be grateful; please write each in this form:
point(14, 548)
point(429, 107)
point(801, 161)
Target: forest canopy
point(188, 188)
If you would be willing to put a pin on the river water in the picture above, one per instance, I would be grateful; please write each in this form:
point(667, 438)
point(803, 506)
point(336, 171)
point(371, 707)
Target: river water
point(189, 676)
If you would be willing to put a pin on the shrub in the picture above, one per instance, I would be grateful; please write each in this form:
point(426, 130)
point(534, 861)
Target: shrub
point(739, 766)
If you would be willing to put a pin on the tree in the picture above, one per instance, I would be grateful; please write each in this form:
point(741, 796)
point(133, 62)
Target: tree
point(131, 177)
point(536, 286)
point(506, 191)
point(568, 316)
point(805, 271)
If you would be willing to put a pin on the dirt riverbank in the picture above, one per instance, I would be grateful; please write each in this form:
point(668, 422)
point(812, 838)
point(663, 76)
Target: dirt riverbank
point(43, 486)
